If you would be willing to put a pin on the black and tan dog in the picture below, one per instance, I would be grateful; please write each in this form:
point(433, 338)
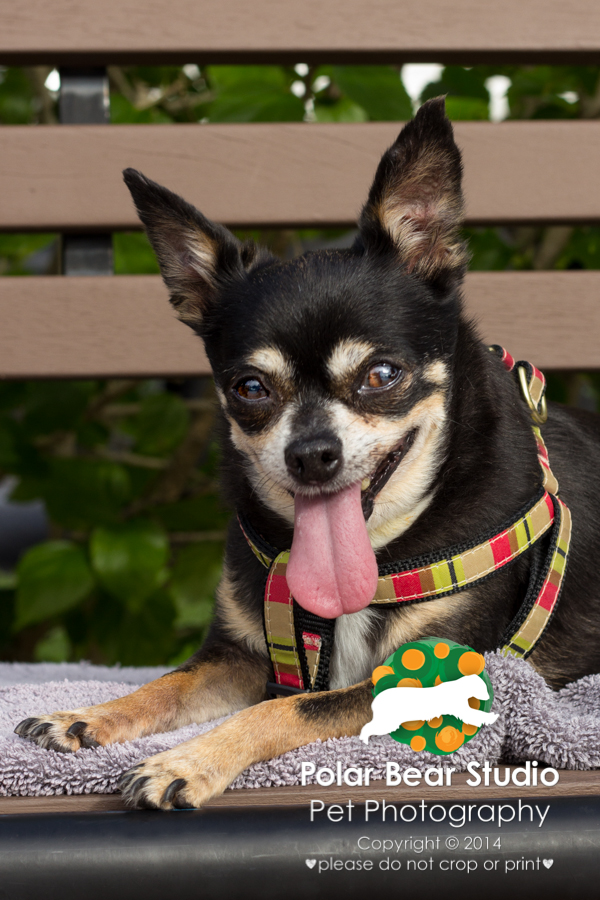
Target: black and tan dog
point(364, 422)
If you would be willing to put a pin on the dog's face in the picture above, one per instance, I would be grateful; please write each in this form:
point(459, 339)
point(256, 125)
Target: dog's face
point(333, 370)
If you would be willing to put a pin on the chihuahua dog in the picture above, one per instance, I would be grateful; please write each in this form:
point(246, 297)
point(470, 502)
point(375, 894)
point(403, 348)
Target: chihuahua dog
point(363, 422)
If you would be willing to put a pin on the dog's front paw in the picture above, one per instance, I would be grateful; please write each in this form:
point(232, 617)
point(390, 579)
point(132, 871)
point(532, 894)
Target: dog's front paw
point(185, 777)
point(65, 731)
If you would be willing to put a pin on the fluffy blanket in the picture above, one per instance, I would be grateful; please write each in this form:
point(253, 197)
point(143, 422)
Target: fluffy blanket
point(560, 729)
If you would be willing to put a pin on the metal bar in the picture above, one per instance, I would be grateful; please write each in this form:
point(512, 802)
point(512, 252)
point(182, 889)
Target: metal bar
point(84, 100)
point(416, 849)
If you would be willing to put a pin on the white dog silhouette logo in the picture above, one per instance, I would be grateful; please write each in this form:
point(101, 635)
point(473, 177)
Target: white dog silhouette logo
point(396, 705)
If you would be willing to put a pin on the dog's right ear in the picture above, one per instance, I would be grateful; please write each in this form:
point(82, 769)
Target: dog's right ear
point(194, 254)
point(415, 205)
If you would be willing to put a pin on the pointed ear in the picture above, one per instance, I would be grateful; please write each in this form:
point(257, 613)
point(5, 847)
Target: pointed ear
point(416, 202)
point(195, 255)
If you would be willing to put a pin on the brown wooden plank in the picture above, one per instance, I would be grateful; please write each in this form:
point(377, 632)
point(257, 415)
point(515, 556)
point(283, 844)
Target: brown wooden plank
point(123, 326)
point(69, 177)
point(152, 31)
point(93, 327)
point(571, 784)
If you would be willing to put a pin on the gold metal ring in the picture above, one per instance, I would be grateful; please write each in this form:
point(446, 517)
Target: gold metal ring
point(540, 415)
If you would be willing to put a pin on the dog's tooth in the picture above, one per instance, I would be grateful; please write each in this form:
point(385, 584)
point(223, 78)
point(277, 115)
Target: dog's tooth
point(365, 484)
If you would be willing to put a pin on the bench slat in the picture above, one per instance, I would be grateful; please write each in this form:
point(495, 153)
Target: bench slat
point(149, 31)
point(571, 784)
point(124, 326)
point(270, 175)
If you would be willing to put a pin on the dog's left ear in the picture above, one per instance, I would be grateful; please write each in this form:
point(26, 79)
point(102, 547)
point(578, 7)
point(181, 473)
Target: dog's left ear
point(416, 203)
point(196, 256)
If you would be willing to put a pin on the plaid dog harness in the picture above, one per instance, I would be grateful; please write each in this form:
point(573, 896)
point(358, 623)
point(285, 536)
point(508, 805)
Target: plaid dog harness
point(300, 643)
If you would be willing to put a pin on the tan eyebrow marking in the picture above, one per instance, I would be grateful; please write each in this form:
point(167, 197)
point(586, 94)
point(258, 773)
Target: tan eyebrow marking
point(436, 372)
point(272, 361)
point(346, 357)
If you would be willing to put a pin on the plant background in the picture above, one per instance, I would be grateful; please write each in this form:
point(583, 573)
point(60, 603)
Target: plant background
point(126, 471)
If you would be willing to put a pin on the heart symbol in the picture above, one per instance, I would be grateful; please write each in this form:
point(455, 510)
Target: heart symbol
point(547, 862)
point(311, 863)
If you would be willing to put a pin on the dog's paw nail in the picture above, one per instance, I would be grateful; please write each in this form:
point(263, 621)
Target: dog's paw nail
point(127, 777)
point(24, 727)
point(135, 789)
point(77, 728)
point(173, 789)
point(179, 802)
point(41, 729)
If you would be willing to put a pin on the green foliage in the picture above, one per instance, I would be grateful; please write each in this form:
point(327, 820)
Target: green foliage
point(77, 492)
point(17, 99)
point(110, 585)
point(253, 94)
point(339, 110)
point(129, 570)
point(18, 250)
point(196, 574)
point(53, 577)
point(378, 90)
point(161, 424)
point(130, 560)
point(133, 255)
point(55, 646)
point(123, 111)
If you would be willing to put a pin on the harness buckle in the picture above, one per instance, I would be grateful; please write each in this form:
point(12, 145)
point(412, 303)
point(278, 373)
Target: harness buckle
point(282, 690)
point(539, 413)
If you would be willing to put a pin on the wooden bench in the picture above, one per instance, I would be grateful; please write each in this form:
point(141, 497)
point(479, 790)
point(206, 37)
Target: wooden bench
point(66, 178)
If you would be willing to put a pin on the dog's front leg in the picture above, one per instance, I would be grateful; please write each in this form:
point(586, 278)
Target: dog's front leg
point(223, 679)
point(190, 774)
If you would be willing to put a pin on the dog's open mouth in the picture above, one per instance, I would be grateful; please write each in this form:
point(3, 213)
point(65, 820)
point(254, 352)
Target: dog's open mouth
point(383, 473)
point(332, 568)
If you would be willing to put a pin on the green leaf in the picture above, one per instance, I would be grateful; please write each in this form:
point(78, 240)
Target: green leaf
point(582, 251)
point(161, 424)
point(53, 577)
point(56, 405)
point(79, 493)
point(17, 102)
point(467, 108)
point(199, 514)
point(457, 81)
point(488, 250)
point(342, 110)
point(18, 253)
point(130, 560)
point(55, 646)
point(122, 112)
point(133, 254)
point(137, 638)
point(195, 577)
point(377, 89)
point(253, 94)
point(8, 580)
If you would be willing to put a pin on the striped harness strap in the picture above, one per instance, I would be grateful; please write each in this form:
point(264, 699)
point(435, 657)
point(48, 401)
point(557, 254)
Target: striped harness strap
point(300, 643)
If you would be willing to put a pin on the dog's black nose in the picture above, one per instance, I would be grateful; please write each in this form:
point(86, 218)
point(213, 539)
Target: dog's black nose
point(314, 460)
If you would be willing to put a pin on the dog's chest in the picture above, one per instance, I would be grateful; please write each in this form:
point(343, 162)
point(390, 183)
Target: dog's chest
point(352, 659)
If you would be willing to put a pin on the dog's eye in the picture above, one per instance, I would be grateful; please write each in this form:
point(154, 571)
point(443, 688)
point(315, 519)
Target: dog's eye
point(381, 376)
point(251, 389)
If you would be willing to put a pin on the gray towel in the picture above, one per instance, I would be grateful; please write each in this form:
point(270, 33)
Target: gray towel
point(560, 729)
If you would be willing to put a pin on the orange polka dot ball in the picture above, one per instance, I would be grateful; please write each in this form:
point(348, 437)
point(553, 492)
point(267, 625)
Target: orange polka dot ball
point(427, 663)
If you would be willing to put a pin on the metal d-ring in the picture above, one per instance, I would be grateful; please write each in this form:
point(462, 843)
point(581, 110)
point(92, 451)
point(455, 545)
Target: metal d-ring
point(539, 415)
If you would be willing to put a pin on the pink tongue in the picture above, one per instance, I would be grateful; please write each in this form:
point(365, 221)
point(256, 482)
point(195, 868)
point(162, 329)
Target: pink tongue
point(332, 568)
